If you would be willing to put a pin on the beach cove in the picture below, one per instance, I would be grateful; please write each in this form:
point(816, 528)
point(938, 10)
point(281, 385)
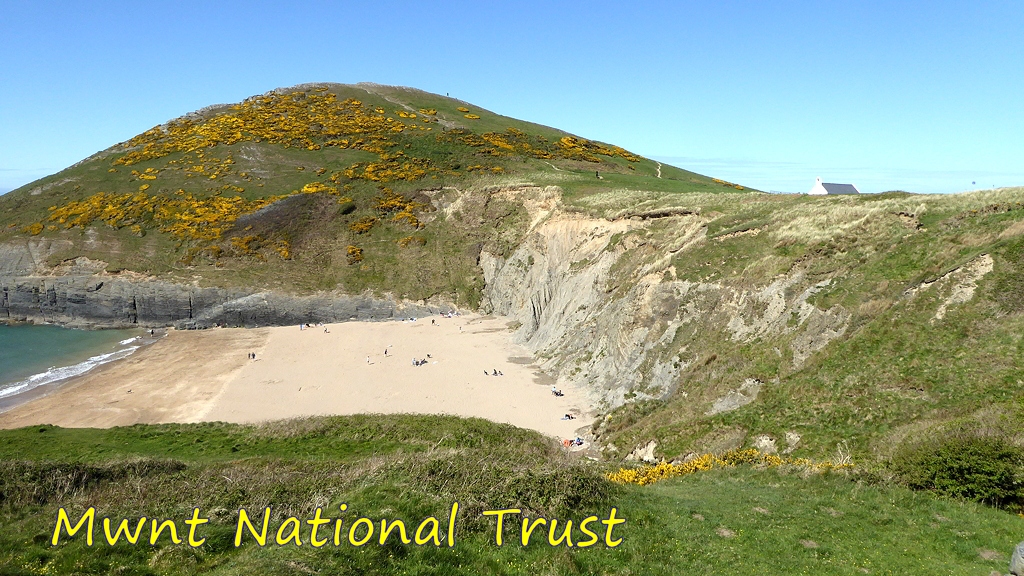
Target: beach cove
point(334, 369)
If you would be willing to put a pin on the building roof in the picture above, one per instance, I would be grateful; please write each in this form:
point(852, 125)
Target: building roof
point(840, 188)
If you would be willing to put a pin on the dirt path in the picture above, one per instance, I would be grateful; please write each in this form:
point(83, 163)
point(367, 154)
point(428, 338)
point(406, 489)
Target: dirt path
point(659, 170)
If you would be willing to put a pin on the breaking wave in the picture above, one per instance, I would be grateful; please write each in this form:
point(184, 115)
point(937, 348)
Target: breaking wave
point(55, 373)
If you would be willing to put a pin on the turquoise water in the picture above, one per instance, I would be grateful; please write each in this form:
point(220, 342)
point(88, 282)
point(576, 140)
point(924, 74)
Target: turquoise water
point(31, 356)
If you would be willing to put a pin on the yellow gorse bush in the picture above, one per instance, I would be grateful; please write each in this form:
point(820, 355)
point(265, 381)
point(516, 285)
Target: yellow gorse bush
point(390, 168)
point(183, 215)
point(355, 254)
point(363, 225)
point(296, 119)
point(645, 475)
point(513, 141)
point(583, 149)
point(400, 208)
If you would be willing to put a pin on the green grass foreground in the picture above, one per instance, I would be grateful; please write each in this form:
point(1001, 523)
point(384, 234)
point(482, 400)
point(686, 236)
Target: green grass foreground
point(730, 521)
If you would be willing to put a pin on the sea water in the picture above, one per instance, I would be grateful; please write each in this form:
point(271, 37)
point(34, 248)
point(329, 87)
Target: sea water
point(31, 356)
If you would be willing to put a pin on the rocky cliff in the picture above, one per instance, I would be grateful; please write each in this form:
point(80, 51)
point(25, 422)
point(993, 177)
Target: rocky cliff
point(80, 293)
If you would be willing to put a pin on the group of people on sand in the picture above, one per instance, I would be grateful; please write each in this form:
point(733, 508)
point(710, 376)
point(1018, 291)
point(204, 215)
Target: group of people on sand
point(494, 372)
point(567, 416)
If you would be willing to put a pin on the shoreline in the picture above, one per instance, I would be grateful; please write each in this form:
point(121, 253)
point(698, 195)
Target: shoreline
point(207, 375)
point(98, 361)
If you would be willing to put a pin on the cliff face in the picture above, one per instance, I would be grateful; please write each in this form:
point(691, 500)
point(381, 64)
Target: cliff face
point(80, 293)
point(619, 332)
point(700, 323)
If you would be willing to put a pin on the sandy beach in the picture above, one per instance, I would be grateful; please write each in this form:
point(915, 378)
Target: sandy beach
point(207, 375)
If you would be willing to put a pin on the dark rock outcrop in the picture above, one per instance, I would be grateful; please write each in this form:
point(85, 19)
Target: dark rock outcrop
point(108, 301)
point(79, 292)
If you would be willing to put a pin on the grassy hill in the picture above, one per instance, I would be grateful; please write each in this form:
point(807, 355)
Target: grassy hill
point(319, 187)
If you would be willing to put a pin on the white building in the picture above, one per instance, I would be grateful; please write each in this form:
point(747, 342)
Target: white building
point(823, 189)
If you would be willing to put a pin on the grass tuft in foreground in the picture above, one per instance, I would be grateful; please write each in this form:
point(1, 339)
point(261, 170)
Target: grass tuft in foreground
point(737, 519)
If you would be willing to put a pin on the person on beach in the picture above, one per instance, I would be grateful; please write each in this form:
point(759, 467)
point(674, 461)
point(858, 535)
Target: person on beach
point(367, 359)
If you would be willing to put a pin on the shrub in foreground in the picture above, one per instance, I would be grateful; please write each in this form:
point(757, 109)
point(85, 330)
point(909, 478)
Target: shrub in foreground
point(983, 469)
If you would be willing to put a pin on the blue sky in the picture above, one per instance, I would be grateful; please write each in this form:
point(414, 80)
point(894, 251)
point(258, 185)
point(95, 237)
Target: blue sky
point(922, 96)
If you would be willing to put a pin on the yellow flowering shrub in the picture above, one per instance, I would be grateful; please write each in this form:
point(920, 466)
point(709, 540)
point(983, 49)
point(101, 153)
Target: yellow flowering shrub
point(583, 149)
point(390, 169)
point(472, 116)
point(355, 254)
point(363, 225)
point(295, 119)
point(462, 109)
point(400, 208)
point(248, 245)
point(513, 141)
point(644, 475)
point(283, 249)
point(726, 183)
point(412, 240)
point(318, 187)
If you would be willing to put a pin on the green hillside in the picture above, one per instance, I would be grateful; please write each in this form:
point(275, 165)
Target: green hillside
point(319, 187)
